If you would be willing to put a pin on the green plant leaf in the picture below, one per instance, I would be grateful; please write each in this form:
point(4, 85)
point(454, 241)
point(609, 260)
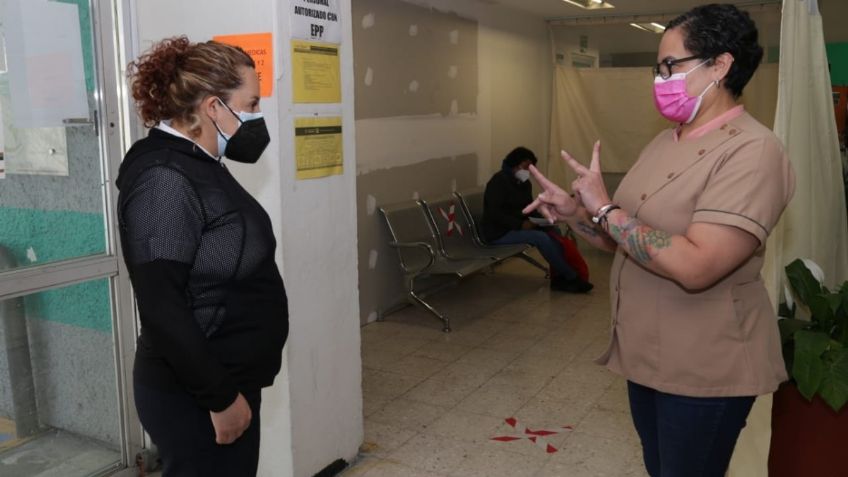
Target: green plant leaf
point(835, 302)
point(813, 342)
point(808, 367)
point(834, 385)
point(788, 327)
point(802, 281)
point(808, 371)
point(821, 311)
point(842, 316)
point(840, 332)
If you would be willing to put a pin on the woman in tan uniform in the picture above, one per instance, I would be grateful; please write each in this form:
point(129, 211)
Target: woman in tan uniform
point(692, 327)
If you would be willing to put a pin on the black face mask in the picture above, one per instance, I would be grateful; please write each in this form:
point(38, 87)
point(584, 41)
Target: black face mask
point(249, 140)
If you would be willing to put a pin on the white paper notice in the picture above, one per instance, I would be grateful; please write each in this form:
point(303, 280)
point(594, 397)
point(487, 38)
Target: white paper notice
point(30, 150)
point(44, 62)
point(316, 20)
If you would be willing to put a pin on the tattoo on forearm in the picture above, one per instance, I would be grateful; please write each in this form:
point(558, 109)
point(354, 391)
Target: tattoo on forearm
point(641, 241)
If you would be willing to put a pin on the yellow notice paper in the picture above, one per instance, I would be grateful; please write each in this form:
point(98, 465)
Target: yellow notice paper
point(315, 72)
point(318, 147)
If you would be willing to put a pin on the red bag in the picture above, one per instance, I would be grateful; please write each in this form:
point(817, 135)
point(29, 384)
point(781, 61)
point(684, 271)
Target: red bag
point(572, 255)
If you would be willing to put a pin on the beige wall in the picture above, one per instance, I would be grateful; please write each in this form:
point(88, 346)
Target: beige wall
point(425, 147)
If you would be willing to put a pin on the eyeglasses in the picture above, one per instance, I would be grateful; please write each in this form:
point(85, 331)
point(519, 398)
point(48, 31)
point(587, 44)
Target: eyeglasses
point(663, 68)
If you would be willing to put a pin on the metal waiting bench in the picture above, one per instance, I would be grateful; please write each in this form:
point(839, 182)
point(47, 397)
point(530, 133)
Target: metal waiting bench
point(427, 249)
point(472, 210)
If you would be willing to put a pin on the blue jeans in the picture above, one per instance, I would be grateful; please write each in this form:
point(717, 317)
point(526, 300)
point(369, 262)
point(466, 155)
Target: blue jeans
point(686, 436)
point(548, 247)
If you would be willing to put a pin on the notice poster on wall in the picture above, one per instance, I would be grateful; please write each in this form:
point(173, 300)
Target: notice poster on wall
point(260, 47)
point(316, 74)
point(42, 151)
point(316, 20)
point(318, 147)
point(45, 63)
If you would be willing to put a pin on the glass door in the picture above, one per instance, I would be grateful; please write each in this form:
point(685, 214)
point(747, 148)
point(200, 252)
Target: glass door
point(66, 318)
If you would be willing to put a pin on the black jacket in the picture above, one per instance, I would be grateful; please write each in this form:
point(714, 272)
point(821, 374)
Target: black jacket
point(503, 201)
point(200, 255)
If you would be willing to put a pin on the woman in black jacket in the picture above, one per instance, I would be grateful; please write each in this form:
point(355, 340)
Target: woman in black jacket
point(200, 254)
point(508, 192)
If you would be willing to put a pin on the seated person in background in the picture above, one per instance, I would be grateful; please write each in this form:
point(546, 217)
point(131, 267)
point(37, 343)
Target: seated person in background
point(507, 193)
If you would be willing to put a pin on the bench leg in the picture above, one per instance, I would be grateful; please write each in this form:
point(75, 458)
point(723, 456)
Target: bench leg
point(420, 302)
point(534, 262)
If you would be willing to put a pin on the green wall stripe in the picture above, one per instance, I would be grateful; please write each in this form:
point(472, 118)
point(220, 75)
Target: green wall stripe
point(85, 305)
point(54, 236)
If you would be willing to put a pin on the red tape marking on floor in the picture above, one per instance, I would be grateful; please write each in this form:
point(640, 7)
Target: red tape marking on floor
point(534, 436)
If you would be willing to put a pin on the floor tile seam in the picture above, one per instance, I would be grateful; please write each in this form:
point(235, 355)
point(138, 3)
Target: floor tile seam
point(423, 377)
point(395, 424)
point(404, 396)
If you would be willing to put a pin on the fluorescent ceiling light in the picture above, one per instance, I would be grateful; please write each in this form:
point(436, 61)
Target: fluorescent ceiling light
point(649, 27)
point(590, 4)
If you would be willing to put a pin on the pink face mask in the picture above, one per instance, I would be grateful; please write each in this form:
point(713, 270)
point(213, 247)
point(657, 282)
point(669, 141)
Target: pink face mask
point(673, 102)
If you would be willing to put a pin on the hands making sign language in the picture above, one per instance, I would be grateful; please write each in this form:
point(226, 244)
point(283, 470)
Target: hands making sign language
point(589, 191)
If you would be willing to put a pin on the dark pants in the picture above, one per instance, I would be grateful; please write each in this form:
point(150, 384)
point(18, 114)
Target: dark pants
point(547, 245)
point(183, 433)
point(685, 436)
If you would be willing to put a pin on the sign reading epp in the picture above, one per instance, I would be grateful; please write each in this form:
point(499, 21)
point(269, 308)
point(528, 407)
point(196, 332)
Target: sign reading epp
point(316, 20)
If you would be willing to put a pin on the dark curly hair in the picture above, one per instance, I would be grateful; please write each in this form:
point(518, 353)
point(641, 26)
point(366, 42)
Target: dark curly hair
point(171, 79)
point(710, 30)
point(517, 156)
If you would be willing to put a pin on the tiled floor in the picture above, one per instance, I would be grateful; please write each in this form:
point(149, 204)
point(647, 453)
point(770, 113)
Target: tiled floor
point(433, 401)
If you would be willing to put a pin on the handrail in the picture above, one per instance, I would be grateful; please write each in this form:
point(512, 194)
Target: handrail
point(431, 255)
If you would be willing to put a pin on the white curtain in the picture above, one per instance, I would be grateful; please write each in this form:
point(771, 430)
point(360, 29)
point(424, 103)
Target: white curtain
point(814, 224)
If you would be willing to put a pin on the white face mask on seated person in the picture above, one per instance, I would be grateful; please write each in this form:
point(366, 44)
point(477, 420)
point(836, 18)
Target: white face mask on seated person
point(523, 175)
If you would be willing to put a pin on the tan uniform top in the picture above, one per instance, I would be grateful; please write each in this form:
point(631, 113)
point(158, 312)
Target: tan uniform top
point(721, 341)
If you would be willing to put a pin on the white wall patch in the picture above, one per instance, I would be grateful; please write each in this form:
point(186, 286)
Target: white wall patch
point(369, 76)
point(413, 86)
point(453, 72)
point(454, 37)
point(371, 204)
point(368, 21)
point(372, 259)
point(413, 30)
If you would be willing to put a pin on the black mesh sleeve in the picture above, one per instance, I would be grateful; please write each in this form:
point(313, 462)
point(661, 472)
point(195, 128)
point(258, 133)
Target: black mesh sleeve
point(162, 217)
